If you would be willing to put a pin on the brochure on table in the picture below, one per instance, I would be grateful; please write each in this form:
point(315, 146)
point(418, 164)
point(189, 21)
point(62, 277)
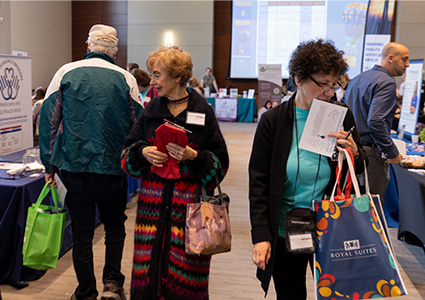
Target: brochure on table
point(222, 93)
point(323, 118)
point(233, 93)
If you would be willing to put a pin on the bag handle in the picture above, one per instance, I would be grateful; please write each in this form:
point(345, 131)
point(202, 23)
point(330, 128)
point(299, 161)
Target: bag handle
point(44, 192)
point(351, 171)
point(204, 192)
point(366, 179)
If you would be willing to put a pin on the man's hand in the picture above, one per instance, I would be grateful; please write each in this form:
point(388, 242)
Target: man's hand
point(50, 178)
point(395, 160)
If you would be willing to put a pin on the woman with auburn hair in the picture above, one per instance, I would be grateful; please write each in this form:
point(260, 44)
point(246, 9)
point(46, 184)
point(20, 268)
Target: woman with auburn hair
point(161, 268)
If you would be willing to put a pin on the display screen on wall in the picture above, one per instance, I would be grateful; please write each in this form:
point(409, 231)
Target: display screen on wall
point(266, 32)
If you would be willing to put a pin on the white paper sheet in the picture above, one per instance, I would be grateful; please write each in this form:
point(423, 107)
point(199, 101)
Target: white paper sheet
point(401, 147)
point(323, 118)
point(61, 189)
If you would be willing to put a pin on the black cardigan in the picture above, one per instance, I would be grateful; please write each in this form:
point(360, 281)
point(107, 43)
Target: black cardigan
point(267, 170)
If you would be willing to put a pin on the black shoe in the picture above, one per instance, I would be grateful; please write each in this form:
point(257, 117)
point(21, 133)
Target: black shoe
point(111, 291)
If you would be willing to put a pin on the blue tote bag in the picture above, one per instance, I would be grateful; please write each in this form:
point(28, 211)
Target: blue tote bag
point(354, 258)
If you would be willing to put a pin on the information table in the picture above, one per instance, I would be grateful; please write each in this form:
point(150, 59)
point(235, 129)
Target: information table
point(411, 193)
point(15, 198)
point(247, 109)
point(16, 195)
point(405, 202)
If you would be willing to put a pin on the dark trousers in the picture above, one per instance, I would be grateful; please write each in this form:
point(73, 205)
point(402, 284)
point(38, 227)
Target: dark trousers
point(109, 193)
point(289, 273)
point(378, 172)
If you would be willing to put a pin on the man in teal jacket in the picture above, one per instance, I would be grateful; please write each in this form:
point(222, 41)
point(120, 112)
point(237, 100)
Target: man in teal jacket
point(88, 112)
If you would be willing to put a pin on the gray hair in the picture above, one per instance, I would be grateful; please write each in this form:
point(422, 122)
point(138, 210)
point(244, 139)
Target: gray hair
point(111, 51)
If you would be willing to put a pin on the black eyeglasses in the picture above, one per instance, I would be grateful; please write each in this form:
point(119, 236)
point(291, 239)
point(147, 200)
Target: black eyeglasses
point(337, 86)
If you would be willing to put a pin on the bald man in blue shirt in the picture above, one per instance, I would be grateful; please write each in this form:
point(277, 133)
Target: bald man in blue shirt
point(371, 96)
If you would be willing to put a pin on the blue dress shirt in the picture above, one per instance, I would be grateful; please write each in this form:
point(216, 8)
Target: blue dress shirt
point(371, 96)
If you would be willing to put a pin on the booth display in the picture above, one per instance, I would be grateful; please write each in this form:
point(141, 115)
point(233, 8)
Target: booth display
point(246, 109)
point(410, 106)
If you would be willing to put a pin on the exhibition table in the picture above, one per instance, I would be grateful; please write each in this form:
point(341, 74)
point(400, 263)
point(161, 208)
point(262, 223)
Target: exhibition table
point(15, 198)
point(16, 195)
point(411, 192)
point(247, 109)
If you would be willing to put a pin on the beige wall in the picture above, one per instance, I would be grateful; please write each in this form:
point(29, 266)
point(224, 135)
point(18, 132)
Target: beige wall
point(410, 26)
point(43, 29)
point(4, 27)
point(190, 21)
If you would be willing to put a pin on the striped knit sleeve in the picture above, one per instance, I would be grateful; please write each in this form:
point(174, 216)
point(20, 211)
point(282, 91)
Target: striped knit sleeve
point(133, 162)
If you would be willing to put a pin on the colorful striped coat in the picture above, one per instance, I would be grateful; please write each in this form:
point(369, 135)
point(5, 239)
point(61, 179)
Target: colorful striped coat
point(161, 267)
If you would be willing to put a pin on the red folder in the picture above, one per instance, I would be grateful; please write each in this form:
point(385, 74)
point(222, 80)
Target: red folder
point(165, 134)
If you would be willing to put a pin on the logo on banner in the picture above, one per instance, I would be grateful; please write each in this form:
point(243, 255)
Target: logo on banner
point(351, 245)
point(10, 77)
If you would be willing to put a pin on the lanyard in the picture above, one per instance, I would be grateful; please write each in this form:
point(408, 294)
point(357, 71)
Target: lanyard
point(298, 162)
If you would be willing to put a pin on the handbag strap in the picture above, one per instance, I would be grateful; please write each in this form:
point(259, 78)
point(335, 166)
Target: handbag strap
point(44, 192)
point(204, 192)
point(351, 171)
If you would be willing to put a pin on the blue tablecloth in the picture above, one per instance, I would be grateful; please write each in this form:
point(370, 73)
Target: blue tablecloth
point(15, 198)
point(247, 109)
point(391, 206)
point(411, 192)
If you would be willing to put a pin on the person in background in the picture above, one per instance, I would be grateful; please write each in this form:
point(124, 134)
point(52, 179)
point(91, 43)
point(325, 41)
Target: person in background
point(161, 268)
point(208, 81)
point(343, 81)
point(36, 109)
point(372, 97)
point(290, 87)
point(131, 66)
point(283, 176)
point(88, 112)
point(34, 96)
point(193, 83)
point(147, 92)
point(267, 106)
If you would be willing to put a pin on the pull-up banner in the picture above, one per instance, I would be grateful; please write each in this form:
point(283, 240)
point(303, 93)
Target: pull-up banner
point(269, 83)
point(378, 31)
point(15, 104)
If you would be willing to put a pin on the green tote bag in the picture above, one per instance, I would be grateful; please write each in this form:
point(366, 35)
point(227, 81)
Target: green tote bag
point(43, 232)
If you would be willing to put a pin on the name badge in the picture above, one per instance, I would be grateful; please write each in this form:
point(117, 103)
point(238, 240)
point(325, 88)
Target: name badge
point(195, 118)
point(301, 241)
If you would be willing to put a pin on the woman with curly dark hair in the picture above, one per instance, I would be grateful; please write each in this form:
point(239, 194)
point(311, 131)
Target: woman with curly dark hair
point(283, 176)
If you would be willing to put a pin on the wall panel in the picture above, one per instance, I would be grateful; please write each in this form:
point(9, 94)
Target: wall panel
point(85, 14)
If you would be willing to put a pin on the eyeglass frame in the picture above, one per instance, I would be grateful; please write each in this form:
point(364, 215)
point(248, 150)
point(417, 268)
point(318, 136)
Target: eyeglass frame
point(326, 87)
